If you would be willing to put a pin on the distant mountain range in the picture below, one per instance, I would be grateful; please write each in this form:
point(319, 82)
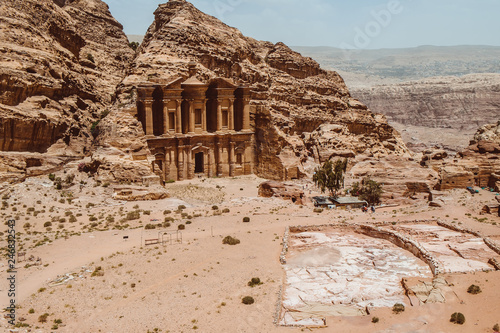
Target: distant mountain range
point(135, 38)
point(362, 68)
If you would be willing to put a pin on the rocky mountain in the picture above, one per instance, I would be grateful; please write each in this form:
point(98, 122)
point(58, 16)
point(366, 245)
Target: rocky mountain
point(60, 63)
point(302, 114)
point(478, 165)
point(462, 103)
point(67, 64)
point(423, 90)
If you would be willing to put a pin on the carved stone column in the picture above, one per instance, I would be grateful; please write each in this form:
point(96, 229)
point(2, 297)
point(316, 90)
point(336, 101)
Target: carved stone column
point(180, 162)
point(246, 115)
point(204, 115)
point(178, 117)
point(219, 115)
point(230, 116)
point(209, 164)
point(148, 106)
point(189, 157)
point(191, 116)
point(166, 164)
point(165, 117)
point(231, 159)
point(219, 160)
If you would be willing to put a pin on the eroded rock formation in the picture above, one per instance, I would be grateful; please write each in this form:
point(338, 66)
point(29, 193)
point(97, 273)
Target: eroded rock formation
point(478, 165)
point(291, 95)
point(60, 62)
point(450, 102)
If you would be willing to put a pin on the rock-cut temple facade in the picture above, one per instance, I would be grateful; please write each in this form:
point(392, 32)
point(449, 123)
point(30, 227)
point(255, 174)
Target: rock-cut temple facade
point(197, 129)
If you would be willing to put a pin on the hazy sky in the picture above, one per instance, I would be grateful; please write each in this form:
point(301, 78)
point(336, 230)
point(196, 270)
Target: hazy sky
point(341, 23)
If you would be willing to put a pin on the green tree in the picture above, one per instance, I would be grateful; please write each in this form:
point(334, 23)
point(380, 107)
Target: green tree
point(330, 176)
point(133, 45)
point(369, 190)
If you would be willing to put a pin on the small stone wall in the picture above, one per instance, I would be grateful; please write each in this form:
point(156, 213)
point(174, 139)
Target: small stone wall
point(279, 305)
point(284, 251)
point(488, 241)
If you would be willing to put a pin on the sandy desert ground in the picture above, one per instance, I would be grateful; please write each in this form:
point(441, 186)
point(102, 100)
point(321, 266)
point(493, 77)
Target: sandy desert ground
point(91, 279)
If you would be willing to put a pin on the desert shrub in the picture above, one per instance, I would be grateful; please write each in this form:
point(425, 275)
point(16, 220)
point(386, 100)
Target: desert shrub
point(214, 207)
point(225, 210)
point(69, 179)
point(181, 227)
point(181, 207)
point(27, 225)
point(398, 308)
point(133, 45)
point(47, 224)
point(457, 318)
point(43, 318)
point(92, 218)
point(150, 226)
point(473, 289)
point(254, 282)
point(230, 240)
point(496, 328)
point(246, 219)
point(90, 58)
point(52, 177)
point(30, 209)
point(31, 311)
point(147, 212)
point(375, 320)
point(58, 321)
point(166, 212)
point(188, 222)
point(97, 271)
point(166, 224)
point(247, 300)
point(169, 219)
point(318, 210)
point(134, 215)
point(132, 285)
point(94, 225)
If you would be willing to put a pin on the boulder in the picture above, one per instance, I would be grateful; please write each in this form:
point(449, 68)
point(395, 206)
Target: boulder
point(287, 192)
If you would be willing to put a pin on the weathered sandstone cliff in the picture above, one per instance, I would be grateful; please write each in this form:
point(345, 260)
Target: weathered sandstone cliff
point(448, 102)
point(60, 64)
point(478, 165)
point(302, 115)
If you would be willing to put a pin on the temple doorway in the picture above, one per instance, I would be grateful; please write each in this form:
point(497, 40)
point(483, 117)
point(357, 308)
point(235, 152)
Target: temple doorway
point(198, 163)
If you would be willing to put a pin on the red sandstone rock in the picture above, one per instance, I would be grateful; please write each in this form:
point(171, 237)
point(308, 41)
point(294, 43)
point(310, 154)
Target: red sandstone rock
point(287, 192)
point(302, 115)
